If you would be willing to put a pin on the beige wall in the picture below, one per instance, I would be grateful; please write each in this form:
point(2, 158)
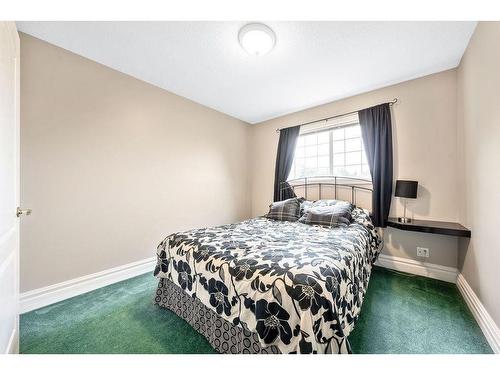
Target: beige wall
point(425, 149)
point(479, 145)
point(110, 165)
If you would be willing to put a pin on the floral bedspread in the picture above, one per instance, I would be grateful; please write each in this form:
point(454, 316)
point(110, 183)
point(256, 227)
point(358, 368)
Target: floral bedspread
point(300, 287)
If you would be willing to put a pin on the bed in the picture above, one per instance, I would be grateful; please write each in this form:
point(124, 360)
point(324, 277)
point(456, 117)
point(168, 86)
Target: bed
point(267, 286)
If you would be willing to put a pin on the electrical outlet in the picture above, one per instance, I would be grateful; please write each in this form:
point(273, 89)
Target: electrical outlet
point(423, 252)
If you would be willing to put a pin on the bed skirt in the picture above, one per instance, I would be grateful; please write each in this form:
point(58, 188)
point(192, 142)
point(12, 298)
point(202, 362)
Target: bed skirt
point(222, 335)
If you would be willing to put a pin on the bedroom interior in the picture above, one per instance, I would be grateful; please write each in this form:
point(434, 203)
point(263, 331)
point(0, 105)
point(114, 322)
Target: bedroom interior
point(247, 190)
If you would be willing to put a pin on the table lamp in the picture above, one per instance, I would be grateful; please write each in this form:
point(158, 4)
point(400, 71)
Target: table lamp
point(406, 189)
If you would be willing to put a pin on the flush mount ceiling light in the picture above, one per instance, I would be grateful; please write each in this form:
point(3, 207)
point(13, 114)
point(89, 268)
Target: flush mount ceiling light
point(257, 39)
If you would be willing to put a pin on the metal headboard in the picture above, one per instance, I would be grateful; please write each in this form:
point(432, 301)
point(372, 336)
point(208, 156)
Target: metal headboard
point(307, 183)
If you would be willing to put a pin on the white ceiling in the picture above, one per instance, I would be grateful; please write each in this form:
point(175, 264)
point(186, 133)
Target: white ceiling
point(312, 63)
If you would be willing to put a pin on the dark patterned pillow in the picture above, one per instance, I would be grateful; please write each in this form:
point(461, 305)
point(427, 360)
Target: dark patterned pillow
point(287, 210)
point(331, 215)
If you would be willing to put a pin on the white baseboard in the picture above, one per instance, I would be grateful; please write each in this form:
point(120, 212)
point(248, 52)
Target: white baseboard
point(434, 271)
point(48, 295)
point(13, 345)
point(485, 321)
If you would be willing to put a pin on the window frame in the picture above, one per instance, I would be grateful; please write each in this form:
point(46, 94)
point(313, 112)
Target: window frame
point(342, 122)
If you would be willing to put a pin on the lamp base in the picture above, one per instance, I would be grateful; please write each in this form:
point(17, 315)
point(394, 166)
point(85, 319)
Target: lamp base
point(404, 220)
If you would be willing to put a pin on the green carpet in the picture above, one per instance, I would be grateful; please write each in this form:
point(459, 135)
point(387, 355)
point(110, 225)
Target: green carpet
point(401, 314)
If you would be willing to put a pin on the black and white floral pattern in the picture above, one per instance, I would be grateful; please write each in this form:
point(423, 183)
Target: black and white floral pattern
point(299, 287)
point(224, 336)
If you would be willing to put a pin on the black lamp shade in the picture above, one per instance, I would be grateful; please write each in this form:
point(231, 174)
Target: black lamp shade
point(406, 189)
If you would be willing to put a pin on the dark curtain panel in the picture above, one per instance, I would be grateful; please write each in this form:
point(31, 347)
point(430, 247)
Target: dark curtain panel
point(376, 130)
point(284, 160)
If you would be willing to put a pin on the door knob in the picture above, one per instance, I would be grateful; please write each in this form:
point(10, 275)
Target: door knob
point(20, 211)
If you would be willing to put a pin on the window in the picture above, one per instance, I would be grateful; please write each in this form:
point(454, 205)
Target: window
point(332, 149)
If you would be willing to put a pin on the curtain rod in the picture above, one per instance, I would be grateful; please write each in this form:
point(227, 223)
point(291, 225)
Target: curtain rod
point(392, 102)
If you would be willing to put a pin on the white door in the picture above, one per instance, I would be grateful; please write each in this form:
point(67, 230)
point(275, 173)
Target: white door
point(9, 188)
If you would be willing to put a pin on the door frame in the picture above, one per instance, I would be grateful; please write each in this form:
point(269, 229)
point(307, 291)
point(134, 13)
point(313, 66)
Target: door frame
point(11, 237)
